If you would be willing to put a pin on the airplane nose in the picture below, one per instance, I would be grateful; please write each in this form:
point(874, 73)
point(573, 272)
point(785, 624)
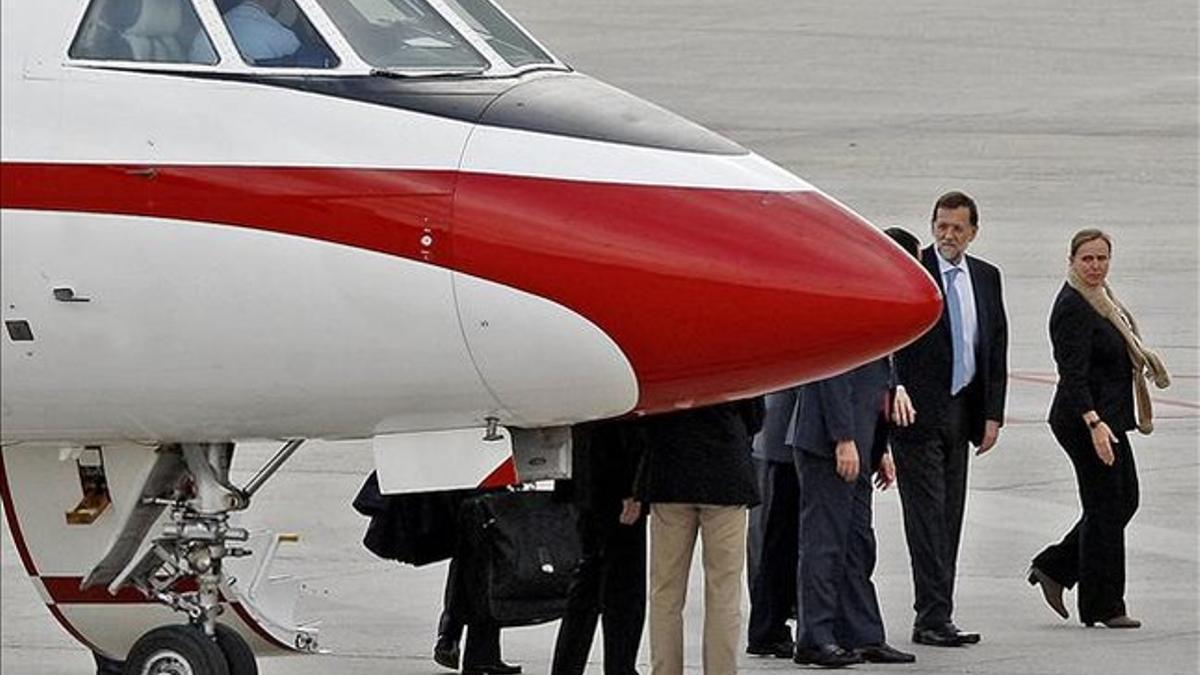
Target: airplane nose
point(815, 290)
point(711, 293)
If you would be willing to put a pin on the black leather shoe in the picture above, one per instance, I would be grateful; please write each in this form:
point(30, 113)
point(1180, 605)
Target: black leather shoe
point(826, 656)
point(884, 653)
point(964, 636)
point(445, 653)
point(780, 650)
point(936, 637)
point(497, 668)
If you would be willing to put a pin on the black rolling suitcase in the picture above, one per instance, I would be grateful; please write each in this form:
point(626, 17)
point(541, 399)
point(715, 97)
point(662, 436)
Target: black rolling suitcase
point(523, 548)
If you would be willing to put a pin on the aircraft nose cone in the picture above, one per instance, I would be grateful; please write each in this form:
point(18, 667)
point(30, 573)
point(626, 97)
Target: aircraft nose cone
point(711, 294)
point(817, 290)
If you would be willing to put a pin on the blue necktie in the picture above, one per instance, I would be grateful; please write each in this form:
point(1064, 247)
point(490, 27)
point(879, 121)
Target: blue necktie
point(958, 373)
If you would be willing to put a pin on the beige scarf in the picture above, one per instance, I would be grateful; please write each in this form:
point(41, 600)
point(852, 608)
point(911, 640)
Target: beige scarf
point(1147, 365)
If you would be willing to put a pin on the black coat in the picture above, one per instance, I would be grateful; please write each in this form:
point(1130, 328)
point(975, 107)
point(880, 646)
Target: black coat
point(701, 456)
point(416, 528)
point(1094, 370)
point(605, 456)
point(924, 367)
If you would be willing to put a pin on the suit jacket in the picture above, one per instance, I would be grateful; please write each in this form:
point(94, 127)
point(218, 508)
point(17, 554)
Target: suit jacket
point(844, 406)
point(924, 367)
point(701, 455)
point(1094, 370)
point(771, 443)
point(604, 459)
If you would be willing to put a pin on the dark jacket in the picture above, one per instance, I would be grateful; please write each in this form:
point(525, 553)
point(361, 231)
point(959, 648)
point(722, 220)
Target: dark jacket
point(846, 406)
point(416, 528)
point(605, 456)
point(1094, 370)
point(701, 456)
point(771, 443)
point(924, 367)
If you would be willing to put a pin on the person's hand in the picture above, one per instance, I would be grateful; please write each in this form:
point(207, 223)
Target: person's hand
point(631, 510)
point(1103, 440)
point(885, 477)
point(903, 412)
point(991, 431)
point(847, 460)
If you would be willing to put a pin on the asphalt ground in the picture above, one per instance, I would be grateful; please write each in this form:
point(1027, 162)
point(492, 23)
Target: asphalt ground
point(1055, 116)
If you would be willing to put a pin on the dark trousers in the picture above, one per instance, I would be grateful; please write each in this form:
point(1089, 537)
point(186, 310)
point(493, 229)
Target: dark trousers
point(774, 543)
point(1093, 552)
point(933, 492)
point(482, 646)
point(837, 600)
point(451, 623)
point(609, 587)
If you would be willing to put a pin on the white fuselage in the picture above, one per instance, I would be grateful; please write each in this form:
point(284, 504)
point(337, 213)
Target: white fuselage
point(266, 255)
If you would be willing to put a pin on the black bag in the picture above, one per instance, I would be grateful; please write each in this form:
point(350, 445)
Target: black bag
point(521, 550)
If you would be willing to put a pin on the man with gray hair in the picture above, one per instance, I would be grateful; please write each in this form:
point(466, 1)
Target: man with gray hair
point(956, 375)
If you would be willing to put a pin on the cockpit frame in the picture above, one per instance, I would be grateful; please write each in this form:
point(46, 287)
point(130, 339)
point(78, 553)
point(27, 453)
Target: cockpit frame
point(349, 61)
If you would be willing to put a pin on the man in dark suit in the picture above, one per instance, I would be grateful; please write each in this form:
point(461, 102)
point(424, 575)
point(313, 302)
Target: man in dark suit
point(956, 376)
point(834, 436)
point(773, 535)
point(609, 586)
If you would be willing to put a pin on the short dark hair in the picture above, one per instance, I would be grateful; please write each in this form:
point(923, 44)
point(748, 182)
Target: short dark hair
point(956, 200)
point(907, 241)
point(1090, 234)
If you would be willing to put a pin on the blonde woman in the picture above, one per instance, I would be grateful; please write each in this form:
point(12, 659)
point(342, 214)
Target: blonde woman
point(1101, 362)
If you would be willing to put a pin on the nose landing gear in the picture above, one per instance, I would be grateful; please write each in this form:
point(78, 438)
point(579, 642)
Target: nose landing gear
point(191, 547)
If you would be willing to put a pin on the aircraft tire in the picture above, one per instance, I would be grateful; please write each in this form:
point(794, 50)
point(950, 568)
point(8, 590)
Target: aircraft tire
point(182, 649)
point(238, 655)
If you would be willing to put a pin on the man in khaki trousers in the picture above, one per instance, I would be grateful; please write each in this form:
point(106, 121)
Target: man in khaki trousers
point(698, 478)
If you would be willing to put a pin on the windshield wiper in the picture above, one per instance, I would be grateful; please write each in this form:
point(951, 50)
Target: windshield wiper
point(531, 68)
point(423, 74)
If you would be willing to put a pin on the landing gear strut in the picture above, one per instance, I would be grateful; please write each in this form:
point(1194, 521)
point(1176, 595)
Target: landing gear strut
point(191, 548)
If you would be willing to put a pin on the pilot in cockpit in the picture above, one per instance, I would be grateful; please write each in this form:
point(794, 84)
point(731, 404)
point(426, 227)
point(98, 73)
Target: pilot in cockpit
point(263, 39)
point(258, 34)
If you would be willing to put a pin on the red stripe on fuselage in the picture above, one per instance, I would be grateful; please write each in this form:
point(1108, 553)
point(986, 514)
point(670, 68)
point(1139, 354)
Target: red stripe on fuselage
point(376, 209)
point(14, 525)
point(709, 293)
point(69, 591)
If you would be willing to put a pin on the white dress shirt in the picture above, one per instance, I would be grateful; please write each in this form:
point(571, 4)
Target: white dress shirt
point(966, 303)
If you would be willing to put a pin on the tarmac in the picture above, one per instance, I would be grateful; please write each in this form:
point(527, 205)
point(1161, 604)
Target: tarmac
point(1055, 116)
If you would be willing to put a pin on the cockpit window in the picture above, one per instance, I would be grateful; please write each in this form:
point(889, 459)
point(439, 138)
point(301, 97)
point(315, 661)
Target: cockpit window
point(156, 31)
point(402, 35)
point(500, 33)
point(275, 33)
